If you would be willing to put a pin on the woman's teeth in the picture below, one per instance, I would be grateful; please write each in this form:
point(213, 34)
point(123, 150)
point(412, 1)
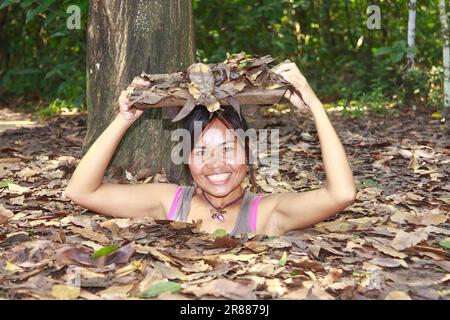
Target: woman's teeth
point(219, 177)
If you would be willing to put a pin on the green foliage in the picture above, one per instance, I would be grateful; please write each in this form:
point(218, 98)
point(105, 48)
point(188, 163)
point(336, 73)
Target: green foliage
point(45, 60)
point(434, 86)
point(160, 287)
point(347, 64)
point(105, 251)
point(220, 233)
point(55, 107)
point(283, 259)
point(367, 183)
point(395, 52)
point(5, 182)
point(445, 243)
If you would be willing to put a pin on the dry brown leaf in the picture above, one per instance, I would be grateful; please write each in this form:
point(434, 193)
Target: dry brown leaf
point(198, 266)
point(315, 250)
point(151, 277)
point(262, 269)
point(69, 255)
point(80, 221)
point(306, 263)
point(318, 293)
point(256, 246)
point(397, 295)
point(84, 294)
point(6, 212)
point(130, 268)
point(297, 294)
point(363, 223)
point(444, 264)
point(18, 201)
point(3, 220)
point(222, 288)
point(336, 225)
point(389, 251)
point(27, 173)
point(278, 243)
point(332, 276)
point(15, 237)
point(64, 292)
point(405, 153)
point(405, 240)
point(169, 272)
point(429, 219)
point(419, 219)
point(212, 105)
point(414, 163)
point(388, 262)
point(240, 257)
point(90, 234)
point(225, 242)
point(202, 80)
point(154, 252)
point(437, 230)
point(116, 292)
point(275, 287)
point(15, 188)
point(121, 223)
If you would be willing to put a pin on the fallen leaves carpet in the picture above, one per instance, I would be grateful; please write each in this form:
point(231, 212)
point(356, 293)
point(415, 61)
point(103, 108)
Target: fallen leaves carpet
point(392, 243)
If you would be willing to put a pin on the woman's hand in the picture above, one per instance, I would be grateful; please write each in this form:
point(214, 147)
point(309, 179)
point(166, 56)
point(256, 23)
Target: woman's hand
point(126, 109)
point(302, 96)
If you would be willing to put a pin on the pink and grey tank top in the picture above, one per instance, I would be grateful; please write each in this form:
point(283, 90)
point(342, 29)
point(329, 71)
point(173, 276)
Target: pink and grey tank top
point(246, 219)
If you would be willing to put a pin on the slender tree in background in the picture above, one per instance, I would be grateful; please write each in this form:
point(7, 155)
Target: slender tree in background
point(446, 57)
point(410, 56)
point(411, 34)
point(124, 39)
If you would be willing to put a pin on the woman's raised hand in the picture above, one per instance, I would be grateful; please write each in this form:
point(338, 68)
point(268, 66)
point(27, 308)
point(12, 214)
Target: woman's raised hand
point(126, 109)
point(303, 96)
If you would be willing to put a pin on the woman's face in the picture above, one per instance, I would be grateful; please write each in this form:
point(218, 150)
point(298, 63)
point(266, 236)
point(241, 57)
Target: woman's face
point(217, 162)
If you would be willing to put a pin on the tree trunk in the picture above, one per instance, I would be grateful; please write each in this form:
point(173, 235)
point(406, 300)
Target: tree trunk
point(124, 39)
point(411, 33)
point(446, 58)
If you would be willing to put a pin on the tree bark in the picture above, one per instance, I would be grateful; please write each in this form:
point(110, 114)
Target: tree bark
point(446, 58)
point(124, 39)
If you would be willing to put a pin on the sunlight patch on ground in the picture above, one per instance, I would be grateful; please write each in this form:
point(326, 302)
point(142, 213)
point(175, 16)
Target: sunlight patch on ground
point(13, 120)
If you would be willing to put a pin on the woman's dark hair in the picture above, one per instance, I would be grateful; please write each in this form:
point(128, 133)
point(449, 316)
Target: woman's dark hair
point(231, 119)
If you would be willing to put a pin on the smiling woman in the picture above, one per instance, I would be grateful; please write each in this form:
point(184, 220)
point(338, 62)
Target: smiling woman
point(218, 161)
point(218, 156)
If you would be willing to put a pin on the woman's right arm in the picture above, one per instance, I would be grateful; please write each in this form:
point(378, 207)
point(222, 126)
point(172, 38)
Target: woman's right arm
point(86, 187)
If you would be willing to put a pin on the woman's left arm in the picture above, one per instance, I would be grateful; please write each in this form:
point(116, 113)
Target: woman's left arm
point(294, 210)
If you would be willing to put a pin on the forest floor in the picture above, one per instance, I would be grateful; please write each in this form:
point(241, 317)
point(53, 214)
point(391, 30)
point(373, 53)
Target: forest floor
point(393, 242)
